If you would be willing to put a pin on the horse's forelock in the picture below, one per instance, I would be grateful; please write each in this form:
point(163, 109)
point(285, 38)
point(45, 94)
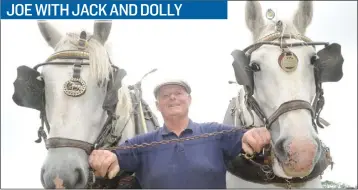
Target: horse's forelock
point(270, 27)
point(100, 66)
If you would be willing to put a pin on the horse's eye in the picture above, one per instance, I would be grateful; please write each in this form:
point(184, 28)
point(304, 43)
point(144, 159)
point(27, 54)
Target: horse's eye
point(314, 59)
point(255, 67)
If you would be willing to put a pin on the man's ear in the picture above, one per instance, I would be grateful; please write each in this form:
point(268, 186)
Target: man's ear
point(189, 99)
point(157, 105)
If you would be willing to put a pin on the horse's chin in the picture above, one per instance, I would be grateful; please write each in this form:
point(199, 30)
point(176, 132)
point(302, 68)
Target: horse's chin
point(277, 167)
point(280, 171)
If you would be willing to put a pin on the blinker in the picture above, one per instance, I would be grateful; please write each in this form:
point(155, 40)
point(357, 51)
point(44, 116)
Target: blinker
point(28, 90)
point(330, 63)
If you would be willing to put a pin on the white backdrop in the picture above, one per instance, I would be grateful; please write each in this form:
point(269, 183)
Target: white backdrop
point(196, 50)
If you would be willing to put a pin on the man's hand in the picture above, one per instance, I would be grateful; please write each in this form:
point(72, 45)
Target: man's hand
point(103, 162)
point(255, 139)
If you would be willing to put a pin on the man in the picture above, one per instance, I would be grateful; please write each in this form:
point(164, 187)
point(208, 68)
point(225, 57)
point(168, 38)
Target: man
point(193, 164)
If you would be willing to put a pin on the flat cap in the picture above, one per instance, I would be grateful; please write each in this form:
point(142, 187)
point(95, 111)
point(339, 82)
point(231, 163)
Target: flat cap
point(172, 82)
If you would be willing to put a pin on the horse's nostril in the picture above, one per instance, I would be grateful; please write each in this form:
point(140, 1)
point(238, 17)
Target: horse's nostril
point(81, 178)
point(319, 148)
point(280, 149)
point(72, 180)
point(42, 177)
point(319, 143)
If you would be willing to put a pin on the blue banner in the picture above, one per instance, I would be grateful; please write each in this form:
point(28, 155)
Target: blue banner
point(114, 9)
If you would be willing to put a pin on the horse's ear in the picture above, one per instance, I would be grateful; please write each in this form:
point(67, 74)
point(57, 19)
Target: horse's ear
point(51, 34)
point(303, 16)
point(254, 18)
point(102, 30)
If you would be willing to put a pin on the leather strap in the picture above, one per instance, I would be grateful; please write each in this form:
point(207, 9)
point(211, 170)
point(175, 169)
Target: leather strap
point(290, 106)
point(58, 142)
point(77, 69)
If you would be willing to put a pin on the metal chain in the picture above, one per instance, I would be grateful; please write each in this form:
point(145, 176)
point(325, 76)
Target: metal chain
point(92, 178)
point(205, 135)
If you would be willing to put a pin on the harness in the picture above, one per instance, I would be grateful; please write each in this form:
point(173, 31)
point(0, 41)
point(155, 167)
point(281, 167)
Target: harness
point(327, 68)
point(30, 92)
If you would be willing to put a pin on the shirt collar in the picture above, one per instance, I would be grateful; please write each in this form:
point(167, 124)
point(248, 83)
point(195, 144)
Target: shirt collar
point(166, 131)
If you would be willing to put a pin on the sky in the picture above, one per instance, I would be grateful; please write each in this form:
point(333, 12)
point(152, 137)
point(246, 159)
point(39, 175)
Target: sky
point(195, 50)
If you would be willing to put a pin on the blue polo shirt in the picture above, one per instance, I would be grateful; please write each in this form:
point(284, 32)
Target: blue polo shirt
point(189, 164)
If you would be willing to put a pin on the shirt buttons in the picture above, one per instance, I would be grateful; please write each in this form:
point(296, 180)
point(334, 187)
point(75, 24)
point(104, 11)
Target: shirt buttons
point(180, 147)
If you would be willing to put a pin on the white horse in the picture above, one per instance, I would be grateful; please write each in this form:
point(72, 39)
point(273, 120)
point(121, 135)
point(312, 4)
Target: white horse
point(280, 81)
point(83, 103)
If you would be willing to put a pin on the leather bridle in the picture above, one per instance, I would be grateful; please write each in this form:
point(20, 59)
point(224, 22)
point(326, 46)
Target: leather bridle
point(106, 135)
point(58, 142)
point(265, 157)
point(318, 103)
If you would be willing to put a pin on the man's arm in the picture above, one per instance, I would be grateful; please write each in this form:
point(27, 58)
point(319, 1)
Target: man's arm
point(230, 142)
point(128, 159)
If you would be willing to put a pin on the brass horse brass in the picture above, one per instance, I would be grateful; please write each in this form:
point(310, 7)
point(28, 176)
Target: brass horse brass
point(75, 87)
point(288, 61)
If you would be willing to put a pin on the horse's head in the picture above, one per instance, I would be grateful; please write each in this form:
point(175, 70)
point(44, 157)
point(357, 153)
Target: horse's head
point(282, 79)
point(80, 96)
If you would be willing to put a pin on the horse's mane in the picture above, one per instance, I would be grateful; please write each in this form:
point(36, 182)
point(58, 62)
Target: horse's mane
point(124, 109)
point(100, 67)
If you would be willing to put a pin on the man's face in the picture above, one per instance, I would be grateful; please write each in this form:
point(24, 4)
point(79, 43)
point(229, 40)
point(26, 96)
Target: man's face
point(173, 100)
